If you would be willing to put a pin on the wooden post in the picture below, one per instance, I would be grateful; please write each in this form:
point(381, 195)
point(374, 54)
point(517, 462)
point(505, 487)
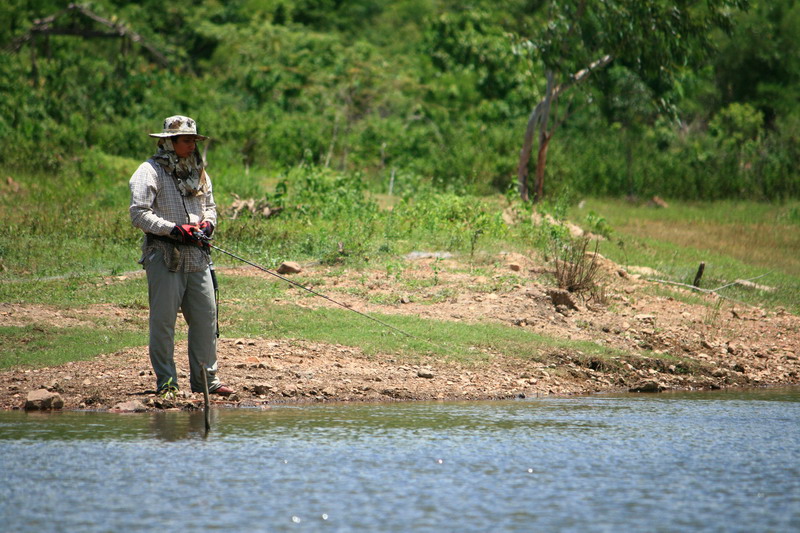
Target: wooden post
point(699, 274)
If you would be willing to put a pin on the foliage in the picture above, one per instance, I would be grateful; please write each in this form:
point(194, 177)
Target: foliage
point(456, 222)
point(430, 90)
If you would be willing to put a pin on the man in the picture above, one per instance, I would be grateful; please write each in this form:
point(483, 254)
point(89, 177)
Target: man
point(171, 201)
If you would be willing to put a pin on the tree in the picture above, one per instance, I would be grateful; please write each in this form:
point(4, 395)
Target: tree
point(653, 39)
point(759, 62)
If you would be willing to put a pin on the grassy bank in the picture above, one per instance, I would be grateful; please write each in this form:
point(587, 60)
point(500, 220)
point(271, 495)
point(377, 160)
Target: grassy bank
point(68, 243)
point(735, 240)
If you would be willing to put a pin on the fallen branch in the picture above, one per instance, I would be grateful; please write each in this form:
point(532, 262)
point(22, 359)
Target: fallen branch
point(712, 291)
point(46, 26)
point(738, 281)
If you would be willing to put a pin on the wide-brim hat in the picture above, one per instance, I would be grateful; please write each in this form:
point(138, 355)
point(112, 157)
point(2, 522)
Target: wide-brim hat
point(179, 125)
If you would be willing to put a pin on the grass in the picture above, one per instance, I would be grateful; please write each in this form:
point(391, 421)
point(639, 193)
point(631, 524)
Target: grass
point(735, 240)
point(77, 291)
point(455, 341)
point(67, 245)
point(38, 346)
point(248, 310)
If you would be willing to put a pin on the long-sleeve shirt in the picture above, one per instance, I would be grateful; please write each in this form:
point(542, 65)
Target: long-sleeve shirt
point(157, 207)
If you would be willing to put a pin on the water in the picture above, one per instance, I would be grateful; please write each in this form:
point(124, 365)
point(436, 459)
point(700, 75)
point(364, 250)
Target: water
point(725, 461)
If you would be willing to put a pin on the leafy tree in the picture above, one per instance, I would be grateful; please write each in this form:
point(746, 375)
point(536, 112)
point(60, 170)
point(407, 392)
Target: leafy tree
point(759, 62)
point(654, 39)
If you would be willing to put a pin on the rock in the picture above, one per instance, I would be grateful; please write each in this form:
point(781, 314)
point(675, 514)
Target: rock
point(43, 400)
point(133, 406)
point(515, 267)
point(647, 386)
point(263, 389)
point(562, 297)
point(562, 309)
point(54, 386)
point(289, 267)
point(427, 374)
point(649, 319)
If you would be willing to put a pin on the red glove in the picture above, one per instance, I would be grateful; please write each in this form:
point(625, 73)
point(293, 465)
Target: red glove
point(185, 234)
point(207, 228)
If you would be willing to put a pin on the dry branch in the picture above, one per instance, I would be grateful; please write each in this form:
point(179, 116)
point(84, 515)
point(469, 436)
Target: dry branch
point(46, 26)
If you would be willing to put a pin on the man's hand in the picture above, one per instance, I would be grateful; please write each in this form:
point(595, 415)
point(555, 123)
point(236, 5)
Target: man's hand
point(207, 228)
point(185, 234)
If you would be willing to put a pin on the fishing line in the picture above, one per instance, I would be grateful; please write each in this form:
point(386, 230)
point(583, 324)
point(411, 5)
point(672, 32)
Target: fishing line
point(206, 240)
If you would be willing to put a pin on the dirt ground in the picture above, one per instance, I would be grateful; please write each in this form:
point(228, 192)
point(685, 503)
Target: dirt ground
point(715, 344)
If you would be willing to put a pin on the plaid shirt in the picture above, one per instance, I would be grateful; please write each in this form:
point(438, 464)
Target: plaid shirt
point(157, 207)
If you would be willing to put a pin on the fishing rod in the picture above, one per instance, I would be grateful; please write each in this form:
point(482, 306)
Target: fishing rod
point(207, 241)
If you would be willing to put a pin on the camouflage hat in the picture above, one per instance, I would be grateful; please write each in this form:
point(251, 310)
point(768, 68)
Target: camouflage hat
point(179, 125)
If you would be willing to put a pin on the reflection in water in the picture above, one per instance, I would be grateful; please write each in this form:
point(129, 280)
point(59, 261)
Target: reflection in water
point(173, 426)
point(671, 462)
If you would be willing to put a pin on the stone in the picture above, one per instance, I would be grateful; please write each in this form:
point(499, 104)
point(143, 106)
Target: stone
point(647, 386)
point(427, 374)
point(561, 297)
point(43, 400)
point(289, 267)
point(132, 406)
point(263, 389)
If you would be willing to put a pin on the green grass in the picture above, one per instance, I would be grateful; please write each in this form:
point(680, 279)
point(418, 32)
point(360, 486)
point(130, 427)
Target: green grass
point(66, 245)
point(735, 240)
point(77, 291)
point(456, 341)
point(248, 309)
point(38, 346)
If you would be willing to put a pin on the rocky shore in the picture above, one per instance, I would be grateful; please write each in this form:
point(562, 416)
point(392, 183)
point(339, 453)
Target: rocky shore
point(725, 344)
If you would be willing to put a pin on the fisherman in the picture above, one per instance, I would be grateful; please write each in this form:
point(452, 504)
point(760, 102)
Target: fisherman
point(172, 203)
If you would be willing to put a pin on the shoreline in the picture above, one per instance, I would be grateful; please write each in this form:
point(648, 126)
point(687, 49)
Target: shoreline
point(292, 372)
point(652, 342)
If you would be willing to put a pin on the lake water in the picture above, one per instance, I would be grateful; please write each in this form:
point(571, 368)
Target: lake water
point(723, 461)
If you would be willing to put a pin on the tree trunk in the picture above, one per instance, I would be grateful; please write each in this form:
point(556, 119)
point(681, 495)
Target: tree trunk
point(539, 119)
point(541, 162)
point(525, 154)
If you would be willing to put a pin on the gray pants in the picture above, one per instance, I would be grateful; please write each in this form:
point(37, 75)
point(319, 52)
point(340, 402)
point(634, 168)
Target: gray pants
point(193, 292)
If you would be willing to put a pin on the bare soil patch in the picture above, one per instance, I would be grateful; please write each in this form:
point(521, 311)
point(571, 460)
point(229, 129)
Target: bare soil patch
point(719, 344)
